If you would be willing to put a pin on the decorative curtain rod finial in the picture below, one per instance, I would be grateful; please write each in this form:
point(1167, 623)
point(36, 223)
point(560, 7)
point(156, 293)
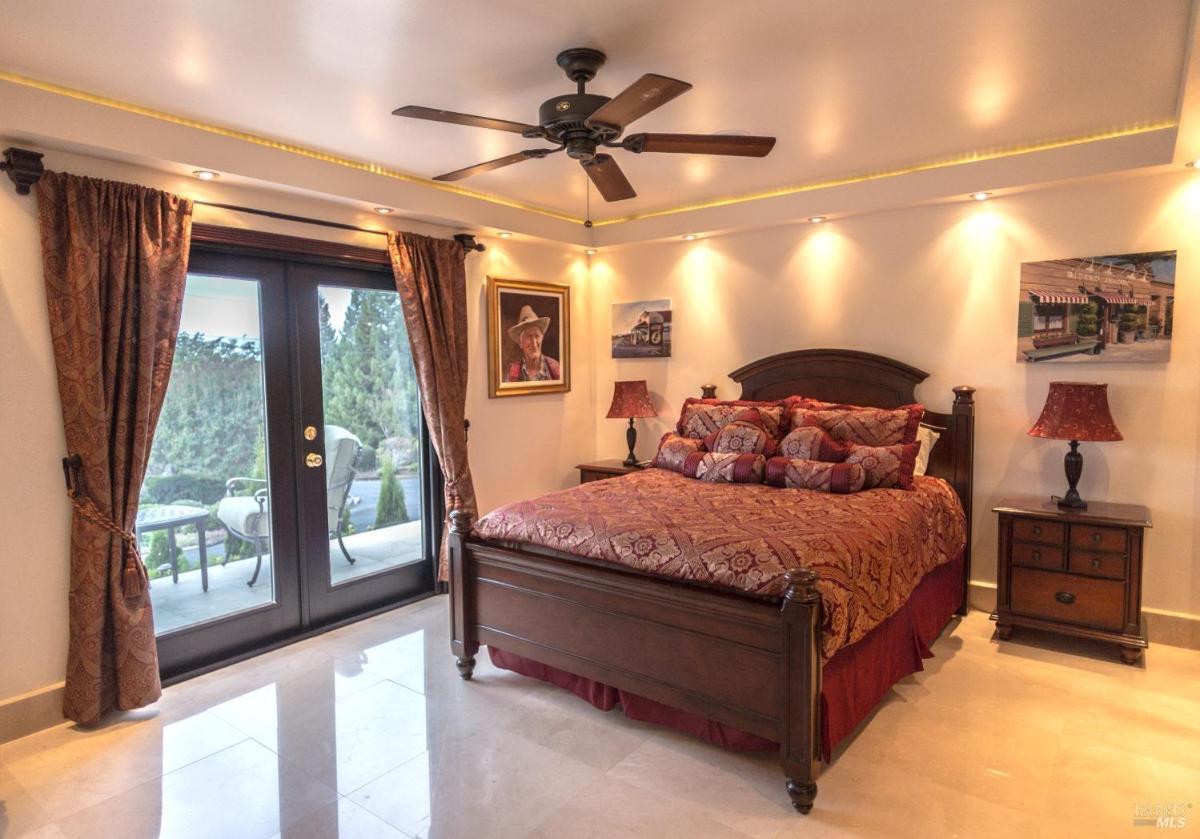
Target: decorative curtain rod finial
point(467, 240)
point(24, 168)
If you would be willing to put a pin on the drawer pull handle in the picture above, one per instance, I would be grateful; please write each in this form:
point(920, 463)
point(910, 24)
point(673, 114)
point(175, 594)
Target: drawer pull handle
point(1095, 563)
point(1096, 537)
point(1037, 556)
point(1037, 531)
point(1064, 597)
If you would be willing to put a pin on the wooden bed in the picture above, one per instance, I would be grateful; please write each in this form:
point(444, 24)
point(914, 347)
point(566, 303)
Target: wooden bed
point(760, 660)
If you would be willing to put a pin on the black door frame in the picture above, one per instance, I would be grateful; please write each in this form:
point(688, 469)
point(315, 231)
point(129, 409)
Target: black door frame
point(204, 646)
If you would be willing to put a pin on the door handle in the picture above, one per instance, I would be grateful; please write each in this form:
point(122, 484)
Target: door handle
point(310, 432)
point(312, 460)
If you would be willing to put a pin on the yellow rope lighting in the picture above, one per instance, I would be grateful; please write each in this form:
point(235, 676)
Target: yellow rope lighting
point(387, 172)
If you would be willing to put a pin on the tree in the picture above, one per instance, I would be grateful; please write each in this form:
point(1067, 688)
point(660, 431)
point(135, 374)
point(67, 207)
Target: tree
point(390, 508)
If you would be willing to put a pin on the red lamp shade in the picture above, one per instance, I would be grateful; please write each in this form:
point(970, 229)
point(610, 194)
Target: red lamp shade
point(1076, 411)
point(630, 399)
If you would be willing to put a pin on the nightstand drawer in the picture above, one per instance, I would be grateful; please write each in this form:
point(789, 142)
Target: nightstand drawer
point(1094, 538)
point(1068, 598)
point(1037, 556)
point(587, 477)
point(1036, 530)
point(1096, 564)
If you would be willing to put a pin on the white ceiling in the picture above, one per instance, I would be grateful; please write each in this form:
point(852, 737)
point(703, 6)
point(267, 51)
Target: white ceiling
point(847, 87)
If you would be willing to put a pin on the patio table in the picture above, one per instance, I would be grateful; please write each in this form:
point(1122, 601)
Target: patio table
point(168, 517)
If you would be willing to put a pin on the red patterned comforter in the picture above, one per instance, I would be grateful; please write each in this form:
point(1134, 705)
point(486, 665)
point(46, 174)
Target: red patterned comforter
point(870, 548)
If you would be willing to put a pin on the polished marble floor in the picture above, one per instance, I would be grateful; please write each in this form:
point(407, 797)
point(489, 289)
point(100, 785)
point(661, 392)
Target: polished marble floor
point(368, 732)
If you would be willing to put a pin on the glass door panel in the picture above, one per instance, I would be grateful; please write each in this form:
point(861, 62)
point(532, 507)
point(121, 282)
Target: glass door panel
point(372, 433)
point(216, 521)
point(365, 533)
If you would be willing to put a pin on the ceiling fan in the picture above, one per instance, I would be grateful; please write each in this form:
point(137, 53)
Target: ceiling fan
point(581, 122)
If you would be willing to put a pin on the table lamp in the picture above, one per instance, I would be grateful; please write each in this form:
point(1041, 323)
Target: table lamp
point(1076, 411)
point(630, 399)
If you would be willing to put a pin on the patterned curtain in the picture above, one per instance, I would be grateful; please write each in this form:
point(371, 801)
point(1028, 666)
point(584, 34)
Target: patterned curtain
point(431, 277)
point(115, 262)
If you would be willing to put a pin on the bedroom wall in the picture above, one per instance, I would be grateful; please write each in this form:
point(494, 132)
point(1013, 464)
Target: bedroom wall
point(936, 287)
point(34, 513)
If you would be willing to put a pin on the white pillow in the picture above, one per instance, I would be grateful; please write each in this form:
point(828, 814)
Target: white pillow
point(928, 438)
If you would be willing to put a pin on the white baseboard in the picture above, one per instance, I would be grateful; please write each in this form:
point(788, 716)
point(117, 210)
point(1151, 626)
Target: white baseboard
point(30, 712)
point(1175, 629)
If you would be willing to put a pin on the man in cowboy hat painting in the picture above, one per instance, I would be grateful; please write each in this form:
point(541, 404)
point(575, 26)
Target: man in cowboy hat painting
point(534, 366)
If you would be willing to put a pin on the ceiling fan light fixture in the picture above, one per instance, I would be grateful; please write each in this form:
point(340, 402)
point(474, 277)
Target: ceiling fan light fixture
point(206, 174)
point(980, 196)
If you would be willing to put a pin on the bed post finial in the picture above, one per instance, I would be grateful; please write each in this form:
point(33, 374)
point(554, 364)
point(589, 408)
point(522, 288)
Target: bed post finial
point(801, 586)
point(460, 517)
point(708, 391)
point(964, 398)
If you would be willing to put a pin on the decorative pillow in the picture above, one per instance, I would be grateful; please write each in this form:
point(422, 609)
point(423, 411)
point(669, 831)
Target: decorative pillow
point(808, 442)
point(799, 473)
point(928, 438)
point(701, 417)
point(862, 426)
point(673, 450)
point(745, 433)
point(886, 466)
point(725, 467)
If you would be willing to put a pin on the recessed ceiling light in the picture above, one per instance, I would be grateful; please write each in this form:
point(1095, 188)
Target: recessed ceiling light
point(689, 237)
point(981, 196)
point(590, 251)
point(384, 211)
point(504, 234)
point(816, 219)
point(206, 174)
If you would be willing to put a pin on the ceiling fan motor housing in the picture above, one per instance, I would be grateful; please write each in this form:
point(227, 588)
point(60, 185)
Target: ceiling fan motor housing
point(564, 118)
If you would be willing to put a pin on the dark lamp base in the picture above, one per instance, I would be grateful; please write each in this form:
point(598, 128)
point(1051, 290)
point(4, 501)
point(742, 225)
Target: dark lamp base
point(1073, 463)
point(631, 439)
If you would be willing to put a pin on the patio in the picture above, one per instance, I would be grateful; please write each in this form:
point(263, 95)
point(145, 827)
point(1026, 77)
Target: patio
point(185, 603)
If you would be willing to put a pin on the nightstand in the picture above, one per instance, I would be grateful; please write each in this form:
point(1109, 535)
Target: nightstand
point(1075, 572)
point(602, 469)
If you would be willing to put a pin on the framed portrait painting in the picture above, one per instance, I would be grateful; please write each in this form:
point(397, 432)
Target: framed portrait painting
point(529, 337)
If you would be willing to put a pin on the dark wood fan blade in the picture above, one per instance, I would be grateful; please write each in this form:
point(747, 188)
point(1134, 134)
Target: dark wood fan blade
point(637, 100)
point(738, 146)
point(418, 112)
point(498, 163)
point(608, 178)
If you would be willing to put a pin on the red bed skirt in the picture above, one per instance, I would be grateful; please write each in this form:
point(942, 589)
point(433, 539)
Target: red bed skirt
point(853, 681)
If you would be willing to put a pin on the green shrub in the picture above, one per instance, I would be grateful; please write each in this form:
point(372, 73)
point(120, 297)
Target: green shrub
point(167, 489)
point(1128, 322)
point(1087, 326)
point(391, 509)
point(158, 558)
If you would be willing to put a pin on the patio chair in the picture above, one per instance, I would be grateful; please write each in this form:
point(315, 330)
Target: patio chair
point(247, 518)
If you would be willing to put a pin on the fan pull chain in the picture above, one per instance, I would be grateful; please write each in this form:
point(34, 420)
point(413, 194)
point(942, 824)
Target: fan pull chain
point(587, 191)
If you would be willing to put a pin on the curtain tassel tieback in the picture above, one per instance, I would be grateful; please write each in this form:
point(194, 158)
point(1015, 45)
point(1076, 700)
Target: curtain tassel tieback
point(133, 574)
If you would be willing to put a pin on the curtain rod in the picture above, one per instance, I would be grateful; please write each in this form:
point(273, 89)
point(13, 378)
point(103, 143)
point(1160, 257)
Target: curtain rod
point(24, 168)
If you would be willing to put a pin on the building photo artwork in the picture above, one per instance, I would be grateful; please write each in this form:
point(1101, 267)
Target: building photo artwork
point(1102, 308)
point(641, 329)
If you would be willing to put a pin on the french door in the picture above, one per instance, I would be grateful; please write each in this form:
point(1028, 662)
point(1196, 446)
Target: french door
point(291, 483)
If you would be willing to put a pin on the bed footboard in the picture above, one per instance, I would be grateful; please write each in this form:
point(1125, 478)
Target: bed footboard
point(738, 660)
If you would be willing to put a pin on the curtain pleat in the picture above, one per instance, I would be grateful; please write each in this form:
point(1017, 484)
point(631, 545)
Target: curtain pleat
point(115, 263)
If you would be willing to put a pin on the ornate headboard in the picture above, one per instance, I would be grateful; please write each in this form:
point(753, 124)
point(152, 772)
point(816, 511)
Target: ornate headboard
point(862, 378)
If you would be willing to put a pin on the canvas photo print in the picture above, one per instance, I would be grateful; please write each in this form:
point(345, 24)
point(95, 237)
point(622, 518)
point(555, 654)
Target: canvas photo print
point(1099, 308)
point(529, 337)
point(641, 329)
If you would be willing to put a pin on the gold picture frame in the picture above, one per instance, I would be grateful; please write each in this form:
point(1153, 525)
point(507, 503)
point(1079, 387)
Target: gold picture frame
point(514, 352)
